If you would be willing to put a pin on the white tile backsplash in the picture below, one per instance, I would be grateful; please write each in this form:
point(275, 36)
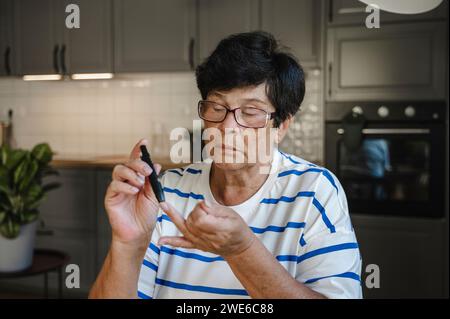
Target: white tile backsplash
point(108, 117)
point(98, 117)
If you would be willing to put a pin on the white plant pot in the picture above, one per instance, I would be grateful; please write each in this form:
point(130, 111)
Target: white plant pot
point(17, 254)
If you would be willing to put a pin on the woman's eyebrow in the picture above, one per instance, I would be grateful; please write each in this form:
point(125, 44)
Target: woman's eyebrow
point(255, 100)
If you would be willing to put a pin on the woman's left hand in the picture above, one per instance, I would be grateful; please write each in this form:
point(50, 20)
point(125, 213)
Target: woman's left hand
point(212, 228)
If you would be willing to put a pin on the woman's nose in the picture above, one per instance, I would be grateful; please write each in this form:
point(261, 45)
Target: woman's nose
point(229, 121)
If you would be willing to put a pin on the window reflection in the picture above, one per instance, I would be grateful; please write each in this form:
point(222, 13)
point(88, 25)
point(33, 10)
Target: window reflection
point(386, 169)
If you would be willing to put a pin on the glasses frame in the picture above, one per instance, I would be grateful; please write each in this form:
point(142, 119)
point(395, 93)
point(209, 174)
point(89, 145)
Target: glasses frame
point(269, 115)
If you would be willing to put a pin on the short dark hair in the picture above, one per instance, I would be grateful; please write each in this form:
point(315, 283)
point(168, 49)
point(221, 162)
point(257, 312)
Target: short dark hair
point(252, 58)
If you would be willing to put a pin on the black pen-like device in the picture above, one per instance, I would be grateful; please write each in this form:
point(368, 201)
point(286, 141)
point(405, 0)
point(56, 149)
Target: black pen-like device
point(154, 182)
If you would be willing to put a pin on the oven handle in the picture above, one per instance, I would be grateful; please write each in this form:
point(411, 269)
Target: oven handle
point(386, 131)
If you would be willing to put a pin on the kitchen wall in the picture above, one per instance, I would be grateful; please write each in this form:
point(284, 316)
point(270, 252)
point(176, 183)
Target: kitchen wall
point(107, 117)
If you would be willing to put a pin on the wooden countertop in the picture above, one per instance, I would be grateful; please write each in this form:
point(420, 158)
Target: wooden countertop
point(106, 161)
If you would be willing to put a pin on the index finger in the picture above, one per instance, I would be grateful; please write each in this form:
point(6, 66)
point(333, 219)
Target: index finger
point(175, 217)
point(136, 152)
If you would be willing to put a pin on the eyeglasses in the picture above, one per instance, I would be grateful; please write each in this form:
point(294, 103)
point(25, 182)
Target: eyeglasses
point(245, 116)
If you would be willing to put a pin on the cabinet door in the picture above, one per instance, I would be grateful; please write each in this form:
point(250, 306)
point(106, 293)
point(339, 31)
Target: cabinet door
point(354, 12)
point(7, 51)
point(401, 61)
point(155, 35)
point(409, 253)
point(89, 48)
point(80, 246)
point(218, 19)
point(297, 24)
point(71, 206)
point(37, 36)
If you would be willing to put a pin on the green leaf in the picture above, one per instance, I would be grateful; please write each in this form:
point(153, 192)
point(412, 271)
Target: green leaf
point(4, 150)
point(5, 190)
point(43, 153)
point(4, 176)
point(9, 229)
point(2, 216)
point(36, 202)
point(31, 216)
point(14, 158)
point(20, 171)
point(29, 176)
point(33, 192)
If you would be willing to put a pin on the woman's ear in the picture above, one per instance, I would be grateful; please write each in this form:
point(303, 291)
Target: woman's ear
point(283, 128)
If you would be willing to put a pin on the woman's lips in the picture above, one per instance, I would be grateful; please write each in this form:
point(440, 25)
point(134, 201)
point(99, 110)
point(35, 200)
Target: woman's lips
point(226, 149)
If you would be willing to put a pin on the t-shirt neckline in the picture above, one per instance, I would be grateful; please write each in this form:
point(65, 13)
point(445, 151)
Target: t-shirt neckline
point(250, 205)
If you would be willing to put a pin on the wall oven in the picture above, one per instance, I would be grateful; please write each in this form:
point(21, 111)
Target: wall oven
point(389, 156)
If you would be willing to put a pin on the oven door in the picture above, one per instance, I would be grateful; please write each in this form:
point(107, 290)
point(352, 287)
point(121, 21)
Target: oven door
point(397, 170)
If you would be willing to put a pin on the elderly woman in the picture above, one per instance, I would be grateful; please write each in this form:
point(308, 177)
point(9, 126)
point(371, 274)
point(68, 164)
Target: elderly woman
point(230, 229)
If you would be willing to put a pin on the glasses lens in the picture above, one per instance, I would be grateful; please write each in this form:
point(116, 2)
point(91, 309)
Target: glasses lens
point(251, 117)
point(211, 111)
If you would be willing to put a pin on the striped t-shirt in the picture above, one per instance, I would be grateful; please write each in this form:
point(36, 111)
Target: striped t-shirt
point(300, 214)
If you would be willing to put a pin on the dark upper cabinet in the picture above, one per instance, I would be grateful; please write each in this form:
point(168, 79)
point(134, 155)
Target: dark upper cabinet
point(397, 61)
point(218, 18)
point(7, 48)
point(354, 12)
point(46, 46)
point(89, 49)
point(37, 36)
point(155, 35)
point(297, 24)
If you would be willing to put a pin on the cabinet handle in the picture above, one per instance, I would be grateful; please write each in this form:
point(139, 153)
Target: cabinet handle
point(330, 69)
point(63, 59)
point(7, 60)
point(390, 131)
point(55, 58)
point(191, 53)
point(45, 232)
point(330, 11)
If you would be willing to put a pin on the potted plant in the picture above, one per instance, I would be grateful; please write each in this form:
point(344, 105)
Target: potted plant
point(21, 192)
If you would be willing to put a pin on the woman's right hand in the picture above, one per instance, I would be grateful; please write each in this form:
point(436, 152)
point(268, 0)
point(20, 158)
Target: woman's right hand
point(130, 202)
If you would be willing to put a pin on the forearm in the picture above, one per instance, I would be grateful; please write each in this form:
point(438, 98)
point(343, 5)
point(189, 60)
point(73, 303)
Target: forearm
point(119, 275)
point(263, 276)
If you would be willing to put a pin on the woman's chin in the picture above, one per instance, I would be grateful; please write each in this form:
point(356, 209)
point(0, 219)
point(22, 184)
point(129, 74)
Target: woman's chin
point(229, 166)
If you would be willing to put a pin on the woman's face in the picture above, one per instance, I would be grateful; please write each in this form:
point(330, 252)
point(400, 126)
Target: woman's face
point(233, 146)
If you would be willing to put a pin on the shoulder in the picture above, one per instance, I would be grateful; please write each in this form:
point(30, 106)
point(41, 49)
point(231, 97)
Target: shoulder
point(299, 174)
point(297, 169)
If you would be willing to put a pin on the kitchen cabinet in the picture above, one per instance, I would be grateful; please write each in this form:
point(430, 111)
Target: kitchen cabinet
point(90, 47)
point(297, 25)
point(80, 246)
point(46, 46)
point(7, 49)
point(69, 216)
point(156, 35)
point(409, 252)
point(68, 224)
point(341, 12)
point(71, 206)
point(38, 36)
point(218, 19)
point(397, 61)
